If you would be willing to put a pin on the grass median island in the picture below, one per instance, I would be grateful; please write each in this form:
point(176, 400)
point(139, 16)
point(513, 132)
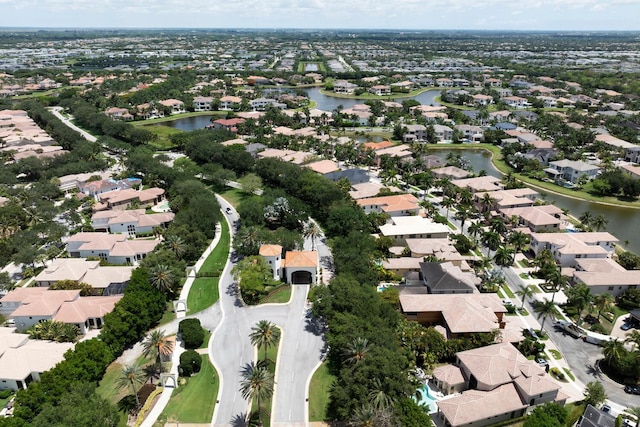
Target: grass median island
point(195, 400)
point(280, 295)
point(319, 395)
point(204, 290)
point(266, 403)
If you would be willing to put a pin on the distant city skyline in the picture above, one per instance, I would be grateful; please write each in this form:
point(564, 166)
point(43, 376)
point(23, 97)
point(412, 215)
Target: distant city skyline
point(526, 15)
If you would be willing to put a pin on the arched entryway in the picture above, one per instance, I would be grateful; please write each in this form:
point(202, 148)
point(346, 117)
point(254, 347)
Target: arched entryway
point(301, 277)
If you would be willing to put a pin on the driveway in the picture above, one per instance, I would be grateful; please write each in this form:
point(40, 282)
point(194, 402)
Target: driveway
point(301, 350)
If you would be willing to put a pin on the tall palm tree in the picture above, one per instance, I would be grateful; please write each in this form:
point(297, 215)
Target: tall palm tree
point(599, 222)
point(545, 309)
point(525, 292)
point(356, 351)
point(311, 231)
point(519, 240)
point(586, 219)
point(176, 244)
point(463, 214)
point(580, 297)
point(161, 277)
point(132, 376)
point(447, 203)
point(487, 202)
point(491, 240)
point(475, 229)
point(378, 396)
point(257, 383)
point(157, 344)
point(497, 225)
point(613, 350)
point(264, 334)
point(504, 257)
point(603, 302)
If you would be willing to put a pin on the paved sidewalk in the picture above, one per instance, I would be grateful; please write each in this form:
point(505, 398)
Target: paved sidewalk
point(175, 358)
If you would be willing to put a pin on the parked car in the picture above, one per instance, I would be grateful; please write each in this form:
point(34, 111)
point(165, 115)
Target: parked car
point(606, 408)
point(626, 326)
point(542, 362)
point(632, 389)
point(228, 210)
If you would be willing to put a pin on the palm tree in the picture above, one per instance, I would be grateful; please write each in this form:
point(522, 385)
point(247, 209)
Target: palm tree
point(599, 222)
point(130, 376)
point(525, 292)
point(364, 416)
point(613, 350)
point(158, 345)
point(447, 203)
point(161, 277)
point(497, 225)
point(504, 257)
point(475, 229)
point(586, 219)
point(487, 202)
point(176, 245)
point(491, 240)
point(378, 397)
point(603, 302)
point(257, 383)
point(356, 351)
point(519, 240)
point(311, 230)
point(544, 309)
point(264, 334)
point(580, 297)
point(463, 214)
point(633, 337)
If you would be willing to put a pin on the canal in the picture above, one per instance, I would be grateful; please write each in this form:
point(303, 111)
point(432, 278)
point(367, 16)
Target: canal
point(622, 220)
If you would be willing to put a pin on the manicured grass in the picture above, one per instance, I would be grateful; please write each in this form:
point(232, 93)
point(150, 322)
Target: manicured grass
point(207, 337)
point(575, 412)
point(168, 315)
point(194, 401)
point(524, 276)
point(234, 196)
point(281, 295)
point(163, 135)
point(319, 393)
point(508, 291)
point(3, 402)
point(523, 263)
point(179, 116)
point(108, 388)
point(569, 374)
point(204, 290)
point(556, 354)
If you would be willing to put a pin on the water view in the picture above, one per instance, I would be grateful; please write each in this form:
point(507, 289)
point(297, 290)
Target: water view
point(189, 123)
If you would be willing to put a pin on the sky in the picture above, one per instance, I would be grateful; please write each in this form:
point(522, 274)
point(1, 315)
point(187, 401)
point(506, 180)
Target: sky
point(529, 15)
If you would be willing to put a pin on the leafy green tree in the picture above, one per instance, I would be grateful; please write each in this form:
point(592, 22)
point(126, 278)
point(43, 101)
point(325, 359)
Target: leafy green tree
point(191, 332)
point(547, 415)
point(190, 363)
point(594, 393)
point(579, 296)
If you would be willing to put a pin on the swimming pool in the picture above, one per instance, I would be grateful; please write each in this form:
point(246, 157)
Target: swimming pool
point(427, 398)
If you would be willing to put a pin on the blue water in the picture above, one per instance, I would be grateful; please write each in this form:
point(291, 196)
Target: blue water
point(427, 399)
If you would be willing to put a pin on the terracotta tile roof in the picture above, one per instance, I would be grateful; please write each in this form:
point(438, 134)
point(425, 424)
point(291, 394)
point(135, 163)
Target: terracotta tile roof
point(449, 374)
point(82, 309)
point(301, 259)
point(270, 250)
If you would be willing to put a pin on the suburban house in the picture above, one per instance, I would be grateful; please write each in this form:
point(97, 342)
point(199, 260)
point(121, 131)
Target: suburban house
point(401, 228)
point(499, 384)
point(354, 176)
point(119, 113)
point(594, 417)
point(396, 205)
point(380, 90)
point(36, 305)
point(202, 103)
point(441, 249)
point(605, 275)
point(229, 124)
point(482, 100)
point(479, 183)
point(567, 248)
point(101, 186)
point(130, 222)
point(471, 133)
point(105, 280)
point(571, 170)
point(343, 86)
point(123, 199)
point(230, 102)
point(415, 133)
point(539, 219)
point(450, 172)
point(273, 255)
point(447, 278)
point(505, 199)
point(454, 315)
point(113, 248)
point(175, 105)
point(443, 133)
point(22, 360)
point(515, 101)
point(261, 104)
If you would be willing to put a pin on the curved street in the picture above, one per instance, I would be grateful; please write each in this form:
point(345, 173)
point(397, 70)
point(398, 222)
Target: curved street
point(300, 351)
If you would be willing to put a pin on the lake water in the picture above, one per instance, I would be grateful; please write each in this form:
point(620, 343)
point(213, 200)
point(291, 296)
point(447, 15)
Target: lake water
point(189, 123)
point(329, 103)
point(622, 220)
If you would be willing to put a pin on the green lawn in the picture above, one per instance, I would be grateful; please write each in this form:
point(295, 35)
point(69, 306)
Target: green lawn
point(508, 291)
point(179, 116)
point(207, 337)
point(204, 290)
point(281, 295)
point(234, 196)
point(168, 315)
point(163, 134)
point(319, 393)
point(3, 402)
point(193, 402)
point(556, 354)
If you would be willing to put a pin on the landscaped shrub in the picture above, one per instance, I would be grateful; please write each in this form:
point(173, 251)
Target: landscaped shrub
point(191, 332)
point(190, 363)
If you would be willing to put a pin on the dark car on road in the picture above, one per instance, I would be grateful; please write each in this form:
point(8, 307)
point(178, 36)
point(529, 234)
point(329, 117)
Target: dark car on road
point(632, 389)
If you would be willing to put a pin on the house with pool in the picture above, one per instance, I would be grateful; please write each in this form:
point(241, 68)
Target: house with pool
point(492, 384)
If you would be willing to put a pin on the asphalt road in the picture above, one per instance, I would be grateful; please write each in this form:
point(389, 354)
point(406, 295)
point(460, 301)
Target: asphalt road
point(301, 349)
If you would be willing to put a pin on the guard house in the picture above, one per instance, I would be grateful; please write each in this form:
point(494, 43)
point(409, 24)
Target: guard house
point(273, 255)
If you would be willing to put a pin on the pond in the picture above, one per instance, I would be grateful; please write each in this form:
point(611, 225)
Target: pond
point(329, 103)
point(189, 123)
point(622, 220)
